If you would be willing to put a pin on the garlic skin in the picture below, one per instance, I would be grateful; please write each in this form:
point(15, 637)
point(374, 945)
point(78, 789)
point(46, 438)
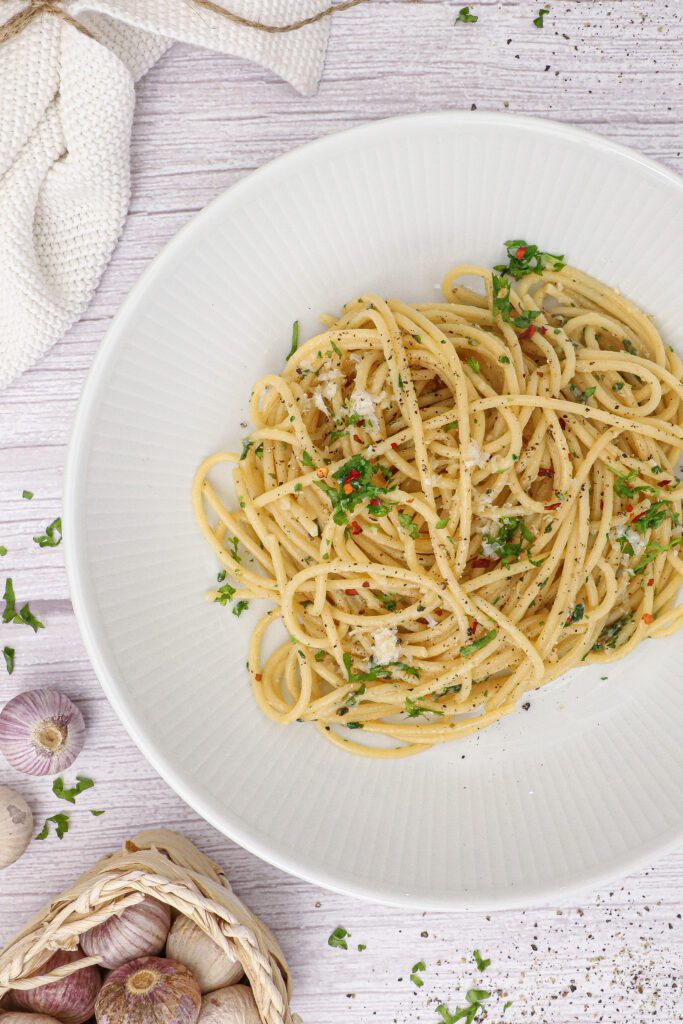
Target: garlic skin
point(149, 990)
point(41, 732)
point(16, 826)
point(141, 930)
point(27, 1018)
point(212, 966)
point(234, 1005)
point(71, 1000)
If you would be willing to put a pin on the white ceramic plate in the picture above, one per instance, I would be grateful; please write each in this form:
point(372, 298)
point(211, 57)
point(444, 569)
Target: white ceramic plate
point(585, 785)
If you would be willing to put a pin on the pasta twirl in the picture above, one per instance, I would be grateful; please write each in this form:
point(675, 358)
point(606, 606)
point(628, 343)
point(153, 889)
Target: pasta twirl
point(452, 503)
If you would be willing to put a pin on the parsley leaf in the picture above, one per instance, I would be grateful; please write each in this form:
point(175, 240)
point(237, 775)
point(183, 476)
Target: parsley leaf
point(96, 814)
point(52, 536)
point(295, 340)
point(480, 962)
point(473, 364)
point(538, 22)
point(407, 522)
point(27, 495)
point(502, 306)
point(8, 654)
point(307, 460)
point(465, 16)
point(609, 635)
point(527, 259)
point(225, 594)
point(240, 607)
point(338, 938)
point(61, 821)
point(414, 976)
point(70, 794)
point(477, 645)
point(246, 445)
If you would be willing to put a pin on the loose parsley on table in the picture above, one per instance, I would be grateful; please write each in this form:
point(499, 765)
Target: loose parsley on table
point(465, 16)
point(295, 340)
point(61, 822)
point(8, 654)
point(338, 938)
point(70, 793)
point(538, 22)
point(52, 536)
point(479, 961)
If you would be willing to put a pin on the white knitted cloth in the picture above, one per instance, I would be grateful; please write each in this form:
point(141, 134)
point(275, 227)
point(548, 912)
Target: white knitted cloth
point(66, 108)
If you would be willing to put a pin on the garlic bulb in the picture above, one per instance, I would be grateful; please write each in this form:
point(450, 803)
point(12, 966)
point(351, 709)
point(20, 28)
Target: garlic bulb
point(41, 732)
point(234, 1005)
point(16, 826)
point(27, 1018)
point(211, 965)
point(139, 930)
point(146, 990)
point(71, 1000)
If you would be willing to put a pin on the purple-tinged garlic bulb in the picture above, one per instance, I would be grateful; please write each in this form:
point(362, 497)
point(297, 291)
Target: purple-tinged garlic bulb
point(27, 1018)
point(233, 1005)
point(71, 1000)
point(16, 826)
point(139, 930)
point(149, 989)
point(211, 965)
point(41, 732)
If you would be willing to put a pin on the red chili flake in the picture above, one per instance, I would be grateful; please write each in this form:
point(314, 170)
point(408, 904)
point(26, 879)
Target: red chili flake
point(356, 528)
point(651, 582)
point(361, 423)
point(639, 516)
point(647, 618)
point(551, 508)
point(353, 474)
point(482, 563)
point(438, 611)
point(528, 333)
point(629, 507)
point(258, 677)
point(394, 446)
point(542, 329)
point(351, 592)
point(357, 438)
point(366, 583)
point(375, 503)
point(546, 471)
point(602, 504)
point(664, 483)
point(521, 252)
point(562, 422)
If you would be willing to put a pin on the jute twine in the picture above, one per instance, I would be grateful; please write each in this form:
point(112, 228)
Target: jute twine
point(170, 868)
point(36, 8)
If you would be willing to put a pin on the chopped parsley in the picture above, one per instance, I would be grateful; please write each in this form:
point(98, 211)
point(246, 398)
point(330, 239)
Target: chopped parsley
point(96, 814)
point(24, 616)
point(307, 460)
point(225, 594)
point(408, 523)
point(442, 524)
point(413, 710)
point(655, 516)
point(475, 997)
point(355, 486)
point(630, 347)
point(538, 22)
point(70, 793)
point(582, 396)
point(609, 635)
point(479, 961)
point(473, 364)
point(502, 306)
point(8, 655)
point(618, 385)
point(246, 445)
point(377, 672)
point(653, 549)
point(319, 655)
point(221, 576)
point(338, 938)
point(450, 426)
point(527, 259)
point(27, 495)
point(295, 340)
point(504, 359)
point(234, 544)
point(465, 16)
point(240, 607)
point(477, 645)
point(576, 614)
point(623, 485)
point(61, 822)
point(414, 975)
point(505, 547)
point(337, 350)
point(388, 600)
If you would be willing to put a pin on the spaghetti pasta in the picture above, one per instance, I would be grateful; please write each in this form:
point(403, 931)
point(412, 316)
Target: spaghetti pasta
point(453, 503)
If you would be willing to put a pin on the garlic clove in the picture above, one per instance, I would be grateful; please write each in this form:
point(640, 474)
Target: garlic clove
point(41, 732)
point(16, 826)
point(140, 930)
point(71, 1000)
point(234, 1005)
point(212, 965)
point(27, 1018)
point(148, 990)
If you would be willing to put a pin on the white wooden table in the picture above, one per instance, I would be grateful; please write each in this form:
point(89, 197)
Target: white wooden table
point(203, 121)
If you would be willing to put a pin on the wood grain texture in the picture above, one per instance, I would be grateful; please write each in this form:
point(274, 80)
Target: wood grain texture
point(203, 121)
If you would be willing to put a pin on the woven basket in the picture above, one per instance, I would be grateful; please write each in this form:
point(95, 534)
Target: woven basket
point(169, 867)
